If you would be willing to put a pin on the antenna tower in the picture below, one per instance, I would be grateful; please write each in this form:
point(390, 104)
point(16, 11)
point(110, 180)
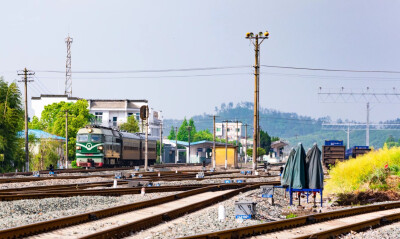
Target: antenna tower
point(68, 80)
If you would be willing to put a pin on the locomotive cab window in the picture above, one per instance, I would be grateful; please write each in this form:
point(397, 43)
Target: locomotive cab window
point(83, 137)
point(96, 137)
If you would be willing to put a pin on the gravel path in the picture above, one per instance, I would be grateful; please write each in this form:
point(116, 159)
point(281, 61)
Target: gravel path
point(386, 232)
point(53, 182)
point(22, 212)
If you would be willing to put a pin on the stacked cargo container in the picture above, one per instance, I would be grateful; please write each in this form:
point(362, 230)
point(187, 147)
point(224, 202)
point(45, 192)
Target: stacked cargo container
point(333, 150)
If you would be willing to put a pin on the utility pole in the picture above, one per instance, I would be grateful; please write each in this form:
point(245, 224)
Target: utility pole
point(26, 73)
point(348, 136)
point(367, 129)
point(256, 44)
point(161, 143)
point(245, 143)
point(213, 153)
point(189, 129)
point(68, 80)
point(176, 145)
point(226, 144)
point(66, 138)
point(146, 144)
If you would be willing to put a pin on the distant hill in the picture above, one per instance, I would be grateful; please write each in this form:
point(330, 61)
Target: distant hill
point(288, 126)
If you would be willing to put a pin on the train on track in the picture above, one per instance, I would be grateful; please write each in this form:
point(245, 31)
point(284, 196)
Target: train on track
point(98, 146)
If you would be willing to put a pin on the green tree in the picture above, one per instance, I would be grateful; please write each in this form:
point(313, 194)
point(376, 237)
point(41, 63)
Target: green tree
point(203, 135)
point(131, 126)
point(47, 155)
point(11, 121)
point(53, 120)
point(172, 134)
point(260, 152)
point(183, 131)
point(193, 130)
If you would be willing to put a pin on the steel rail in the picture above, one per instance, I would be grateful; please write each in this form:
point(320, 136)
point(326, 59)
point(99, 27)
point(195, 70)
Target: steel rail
point(45, 226)
point(126, 229)
point(280, 225)
point(65, 192)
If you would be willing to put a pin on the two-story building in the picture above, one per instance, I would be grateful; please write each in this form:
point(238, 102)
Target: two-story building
point(109, 113)
point(233, 129)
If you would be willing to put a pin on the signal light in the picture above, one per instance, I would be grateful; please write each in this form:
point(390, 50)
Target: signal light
point(266, 34)
point(248, 35)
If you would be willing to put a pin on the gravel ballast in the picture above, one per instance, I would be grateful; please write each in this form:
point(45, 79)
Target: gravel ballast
point(22, 212)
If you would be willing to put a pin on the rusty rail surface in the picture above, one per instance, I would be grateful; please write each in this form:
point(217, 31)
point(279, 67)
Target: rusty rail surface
point(281, 225)
point(72, 192)
point(127, 229)
point(50, 225)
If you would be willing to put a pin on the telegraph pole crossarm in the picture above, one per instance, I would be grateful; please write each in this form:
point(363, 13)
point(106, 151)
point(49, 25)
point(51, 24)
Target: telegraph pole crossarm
point(26, 73)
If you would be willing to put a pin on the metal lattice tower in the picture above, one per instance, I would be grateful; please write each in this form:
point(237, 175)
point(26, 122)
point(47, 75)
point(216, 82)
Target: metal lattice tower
point(360, 96)
point(68, 80)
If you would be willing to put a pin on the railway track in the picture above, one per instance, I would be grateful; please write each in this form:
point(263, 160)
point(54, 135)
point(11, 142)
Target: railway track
point(155, 218)
point(53, 191)
point(322, 225)
point(181, 175)
point(83, 170)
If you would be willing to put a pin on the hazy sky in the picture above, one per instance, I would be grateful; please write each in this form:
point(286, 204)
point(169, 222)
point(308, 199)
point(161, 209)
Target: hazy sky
point(157, 35)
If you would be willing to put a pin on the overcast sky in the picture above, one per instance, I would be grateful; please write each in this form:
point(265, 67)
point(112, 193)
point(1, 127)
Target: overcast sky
point(158, 35)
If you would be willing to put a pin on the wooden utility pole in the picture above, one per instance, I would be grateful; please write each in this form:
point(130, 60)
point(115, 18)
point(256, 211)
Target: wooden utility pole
point(161, 159)
point(66, 138)
point(213, 152)
point(26, 73)
point(256, 44)
point(176, 145)
point(189, 129)
point(226, 144)
point(245, 143)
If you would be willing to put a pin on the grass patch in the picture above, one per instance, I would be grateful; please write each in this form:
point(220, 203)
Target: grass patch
point(364, 172)
point(291, 215)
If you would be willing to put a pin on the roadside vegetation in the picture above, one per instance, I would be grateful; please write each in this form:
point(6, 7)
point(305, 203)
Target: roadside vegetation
point(377, 171)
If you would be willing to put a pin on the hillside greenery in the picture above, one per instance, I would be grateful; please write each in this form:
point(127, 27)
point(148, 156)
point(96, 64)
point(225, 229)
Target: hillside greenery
point(291, 127)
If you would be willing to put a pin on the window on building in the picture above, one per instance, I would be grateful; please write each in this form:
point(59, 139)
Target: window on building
point(99, 116)
point(130, 114)
point(137, 116)
point(219, 129)
point(115, 121)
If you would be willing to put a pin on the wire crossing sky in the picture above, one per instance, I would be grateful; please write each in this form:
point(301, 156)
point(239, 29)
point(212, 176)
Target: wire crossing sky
point(186, 57)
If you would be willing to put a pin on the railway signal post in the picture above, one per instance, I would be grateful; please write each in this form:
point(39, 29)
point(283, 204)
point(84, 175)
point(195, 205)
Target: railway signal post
point(144, 115)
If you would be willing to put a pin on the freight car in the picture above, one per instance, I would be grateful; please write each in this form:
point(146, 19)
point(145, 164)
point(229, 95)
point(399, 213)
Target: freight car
point(98, 146)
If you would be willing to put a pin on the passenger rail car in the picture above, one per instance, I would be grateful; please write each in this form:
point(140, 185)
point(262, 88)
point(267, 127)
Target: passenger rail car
point(107, 147)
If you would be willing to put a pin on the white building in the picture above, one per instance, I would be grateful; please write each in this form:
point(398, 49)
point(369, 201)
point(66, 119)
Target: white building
point(109, 113)
point(38, 103)
point(234, 130)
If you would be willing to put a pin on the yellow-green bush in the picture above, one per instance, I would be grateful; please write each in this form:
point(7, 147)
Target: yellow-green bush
point(353, 174)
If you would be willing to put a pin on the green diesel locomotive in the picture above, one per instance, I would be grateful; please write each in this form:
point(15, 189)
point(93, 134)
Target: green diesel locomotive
point(98, 146)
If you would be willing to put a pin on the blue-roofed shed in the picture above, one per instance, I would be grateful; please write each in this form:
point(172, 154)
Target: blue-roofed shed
point(40, 134)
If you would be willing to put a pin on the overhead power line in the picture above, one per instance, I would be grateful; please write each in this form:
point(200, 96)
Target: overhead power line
point(220, 68)
point(334, 70)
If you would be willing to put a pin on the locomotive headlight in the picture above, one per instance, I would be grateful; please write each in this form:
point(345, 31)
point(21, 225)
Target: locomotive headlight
point(78, 147)
point(90, 130)
point(100, 147)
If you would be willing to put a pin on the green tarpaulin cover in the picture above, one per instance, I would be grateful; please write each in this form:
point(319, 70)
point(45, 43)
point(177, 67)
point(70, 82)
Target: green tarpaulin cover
point(315, 173)
point(297, 178)
point(287, 170)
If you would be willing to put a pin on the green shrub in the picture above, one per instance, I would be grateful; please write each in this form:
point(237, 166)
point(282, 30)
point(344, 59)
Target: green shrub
point(74, 165)
point(354, 174)
point(291, 215)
